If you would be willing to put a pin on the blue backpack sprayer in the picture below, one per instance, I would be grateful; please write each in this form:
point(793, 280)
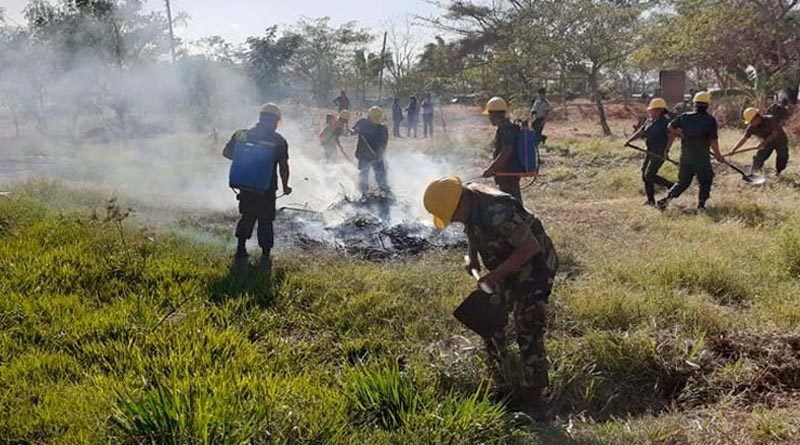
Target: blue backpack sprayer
point(253, 166)
point(526, 155)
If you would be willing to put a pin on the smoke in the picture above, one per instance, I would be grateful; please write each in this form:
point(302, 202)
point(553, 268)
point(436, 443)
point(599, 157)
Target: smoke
point(154, 131)
point(168, 155)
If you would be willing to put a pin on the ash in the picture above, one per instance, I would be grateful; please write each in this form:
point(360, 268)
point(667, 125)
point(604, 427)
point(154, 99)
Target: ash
point(376, 226)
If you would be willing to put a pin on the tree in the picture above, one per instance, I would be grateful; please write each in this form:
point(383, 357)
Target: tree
point(403, 52)
point(109, 36)
point(368, 67)
point(320, 59)
point(267, 57)
point(511, 47)
point(594, 37)
point(701, 34)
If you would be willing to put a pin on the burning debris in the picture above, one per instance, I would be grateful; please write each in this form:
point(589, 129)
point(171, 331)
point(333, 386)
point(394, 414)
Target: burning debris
point(363, 228)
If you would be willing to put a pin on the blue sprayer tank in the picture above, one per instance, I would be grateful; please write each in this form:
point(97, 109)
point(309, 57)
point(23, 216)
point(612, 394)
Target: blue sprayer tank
point(528, 152)
point(253, 167)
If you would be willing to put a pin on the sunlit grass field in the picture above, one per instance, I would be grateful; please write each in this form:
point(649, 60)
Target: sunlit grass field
point(669, 328)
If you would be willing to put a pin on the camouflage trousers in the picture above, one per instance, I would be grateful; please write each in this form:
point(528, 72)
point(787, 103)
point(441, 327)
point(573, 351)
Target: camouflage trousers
point(529, 313)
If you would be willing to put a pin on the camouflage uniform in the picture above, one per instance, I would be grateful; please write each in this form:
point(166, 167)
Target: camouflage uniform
point(498, 224)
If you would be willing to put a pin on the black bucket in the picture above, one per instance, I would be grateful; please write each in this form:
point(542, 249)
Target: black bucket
point(478, 313)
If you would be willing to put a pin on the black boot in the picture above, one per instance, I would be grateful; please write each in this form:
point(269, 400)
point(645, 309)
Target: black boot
point(241, 250)
point(663, 203)
point(532, 403)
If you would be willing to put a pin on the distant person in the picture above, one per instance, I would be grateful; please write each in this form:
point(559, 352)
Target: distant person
point(373, 137)
point(505, 148)
point(343, 129)
point(329, 137)
point(258, 205)
point(397, 117)
point(413, 115)
point(539, 113)
point(343, 102)
point(773, 138)
point(521, 264)
point(427, 116)
point(780, 111)
point(698, 133)
point(656, 135)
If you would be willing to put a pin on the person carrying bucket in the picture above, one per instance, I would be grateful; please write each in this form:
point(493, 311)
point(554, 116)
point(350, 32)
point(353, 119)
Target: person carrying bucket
point(373, 137)
point(505, 148)
point(256, 154)
point(656, 135)
point(521, 263)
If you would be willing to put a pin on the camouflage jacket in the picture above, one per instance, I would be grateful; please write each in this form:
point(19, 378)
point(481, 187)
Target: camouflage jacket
point(498, 224)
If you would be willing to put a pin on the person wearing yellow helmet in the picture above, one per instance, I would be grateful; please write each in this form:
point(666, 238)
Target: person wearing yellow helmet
point(698, 132)
point(329, 137)
point(258, 206)
point(373, 137)
point(505, 146)
point(773, 138)
point(656, 136)
point(522, 262)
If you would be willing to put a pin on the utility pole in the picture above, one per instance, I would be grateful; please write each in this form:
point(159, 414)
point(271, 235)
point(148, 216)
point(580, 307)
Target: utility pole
point(383, 64)
point(171, 32)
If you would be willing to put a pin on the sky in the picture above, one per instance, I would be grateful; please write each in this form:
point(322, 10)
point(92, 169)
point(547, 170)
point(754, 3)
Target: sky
point(237, 19)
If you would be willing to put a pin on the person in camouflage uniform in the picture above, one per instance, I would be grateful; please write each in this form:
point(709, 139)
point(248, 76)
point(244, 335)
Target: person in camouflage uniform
point(522, 262)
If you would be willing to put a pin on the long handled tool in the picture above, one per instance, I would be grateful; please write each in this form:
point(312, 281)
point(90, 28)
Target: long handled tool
point(753, 179)
point(742, 151)
point(651, 153)
point(346, 156)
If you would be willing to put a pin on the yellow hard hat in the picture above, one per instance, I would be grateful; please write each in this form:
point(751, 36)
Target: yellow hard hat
point(657, 104)
point(375, 114)
point(272, 109)
point(344, 115)
point(702, 97)
point(750, 114)
point(495, 104)
point(441, 200)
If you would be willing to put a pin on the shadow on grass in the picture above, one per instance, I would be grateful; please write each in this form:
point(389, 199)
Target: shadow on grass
point(258, 281)
point(749, 214)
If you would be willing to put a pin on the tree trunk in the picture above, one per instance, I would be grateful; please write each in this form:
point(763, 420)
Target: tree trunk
point(16, 126)
point(598, 102)
point(791, 94)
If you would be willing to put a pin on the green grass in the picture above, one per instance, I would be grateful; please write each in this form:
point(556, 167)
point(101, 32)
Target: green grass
point(673, 328)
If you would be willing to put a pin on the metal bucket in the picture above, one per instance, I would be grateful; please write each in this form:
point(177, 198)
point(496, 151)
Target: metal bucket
point(478, 313)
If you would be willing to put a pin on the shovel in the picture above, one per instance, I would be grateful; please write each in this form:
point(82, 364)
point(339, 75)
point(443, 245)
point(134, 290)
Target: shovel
point(651, 153)
point(751, 178)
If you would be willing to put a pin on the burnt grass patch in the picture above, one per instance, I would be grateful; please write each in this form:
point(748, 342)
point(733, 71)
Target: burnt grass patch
point(638, 376)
